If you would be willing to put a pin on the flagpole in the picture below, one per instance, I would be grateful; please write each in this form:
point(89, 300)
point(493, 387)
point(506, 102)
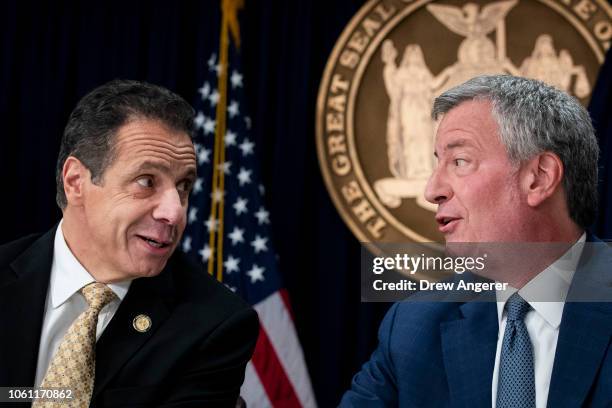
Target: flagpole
point(277, 374)
point(229, 21)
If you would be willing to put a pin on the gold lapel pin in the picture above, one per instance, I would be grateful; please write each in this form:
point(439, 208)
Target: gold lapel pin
point(142, 323)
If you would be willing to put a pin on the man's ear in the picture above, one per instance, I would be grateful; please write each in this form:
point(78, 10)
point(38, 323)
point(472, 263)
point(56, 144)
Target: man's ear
point(541, 177)
point(74, 175)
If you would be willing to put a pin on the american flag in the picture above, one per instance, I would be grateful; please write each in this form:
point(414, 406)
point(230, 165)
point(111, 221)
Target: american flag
point(276, 376)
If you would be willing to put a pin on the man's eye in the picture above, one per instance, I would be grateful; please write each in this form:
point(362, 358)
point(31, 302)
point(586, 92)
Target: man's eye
point(145, 182)
point(185, 186)
point(460, 162)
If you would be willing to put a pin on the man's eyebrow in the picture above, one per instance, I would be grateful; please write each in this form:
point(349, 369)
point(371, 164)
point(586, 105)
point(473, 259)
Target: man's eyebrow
point(454, 144)
point(152, 165)
point(191, 173)
point(457, 143)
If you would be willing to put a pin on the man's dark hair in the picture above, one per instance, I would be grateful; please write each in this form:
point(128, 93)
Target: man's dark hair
point(93, 124)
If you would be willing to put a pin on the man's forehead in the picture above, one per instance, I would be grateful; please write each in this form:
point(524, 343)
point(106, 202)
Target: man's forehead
point(458, 141)
point(151, 128)
point(471, 112)
point(470, 124)
point(175, 146)
point(153, 136)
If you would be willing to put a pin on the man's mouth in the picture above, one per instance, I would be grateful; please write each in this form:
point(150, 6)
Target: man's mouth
point(156, 243)
point(446, 223)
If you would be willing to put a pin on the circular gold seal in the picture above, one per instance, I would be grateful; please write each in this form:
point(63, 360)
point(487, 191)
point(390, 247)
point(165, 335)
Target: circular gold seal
point(374, 131)
point(142, 323)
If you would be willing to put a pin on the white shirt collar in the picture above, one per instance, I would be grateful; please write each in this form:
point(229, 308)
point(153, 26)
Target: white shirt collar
point(552, 283)
point(68, 276)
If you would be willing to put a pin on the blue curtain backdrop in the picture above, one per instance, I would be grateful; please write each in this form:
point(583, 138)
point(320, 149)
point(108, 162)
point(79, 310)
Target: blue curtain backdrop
point(51, 54)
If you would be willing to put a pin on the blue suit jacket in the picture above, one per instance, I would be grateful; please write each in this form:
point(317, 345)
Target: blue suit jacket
point(442, 354)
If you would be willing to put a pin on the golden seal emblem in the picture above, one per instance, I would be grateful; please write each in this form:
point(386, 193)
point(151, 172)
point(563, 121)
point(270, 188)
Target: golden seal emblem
point(142, 323)
point(373, 126)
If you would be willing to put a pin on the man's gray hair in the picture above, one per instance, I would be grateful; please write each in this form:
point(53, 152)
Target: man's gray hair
point(532, 118)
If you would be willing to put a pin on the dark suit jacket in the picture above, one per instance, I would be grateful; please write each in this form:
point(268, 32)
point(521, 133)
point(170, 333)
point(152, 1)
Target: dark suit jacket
point(442, 354)
point(194, 355)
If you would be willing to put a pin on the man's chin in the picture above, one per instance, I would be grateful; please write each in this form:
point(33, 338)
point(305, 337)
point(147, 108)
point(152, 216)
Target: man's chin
point(148, 271)
point(453, 239)
point(147, 262)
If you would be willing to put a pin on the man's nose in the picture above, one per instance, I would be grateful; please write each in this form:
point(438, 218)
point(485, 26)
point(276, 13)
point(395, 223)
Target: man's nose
point(170, 209)
point(438, 189)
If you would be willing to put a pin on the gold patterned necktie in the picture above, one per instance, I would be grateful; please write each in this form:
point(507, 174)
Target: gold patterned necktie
point(73, 365)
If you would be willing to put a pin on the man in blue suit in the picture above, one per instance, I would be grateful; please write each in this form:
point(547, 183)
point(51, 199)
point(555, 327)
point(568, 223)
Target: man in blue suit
point(516, 162)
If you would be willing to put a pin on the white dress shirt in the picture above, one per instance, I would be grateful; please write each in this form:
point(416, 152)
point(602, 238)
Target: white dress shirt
point(65, 303)
point(543, 320)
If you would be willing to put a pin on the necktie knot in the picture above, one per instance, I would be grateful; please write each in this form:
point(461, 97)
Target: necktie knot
point(97, 295)
point(517, 307)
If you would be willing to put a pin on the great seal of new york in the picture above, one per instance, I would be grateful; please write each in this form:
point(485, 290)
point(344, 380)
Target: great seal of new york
point(373, 127)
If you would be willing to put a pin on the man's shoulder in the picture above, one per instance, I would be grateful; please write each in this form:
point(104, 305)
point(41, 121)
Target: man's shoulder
point(195, 285)
point(415, 325)
point(12, 250)
point(424, 315)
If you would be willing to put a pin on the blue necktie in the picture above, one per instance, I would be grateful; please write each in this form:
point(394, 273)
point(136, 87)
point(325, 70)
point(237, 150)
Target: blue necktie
point(516, 385)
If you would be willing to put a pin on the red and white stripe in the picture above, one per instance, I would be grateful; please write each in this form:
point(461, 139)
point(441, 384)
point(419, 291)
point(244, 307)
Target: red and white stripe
point(276, 376)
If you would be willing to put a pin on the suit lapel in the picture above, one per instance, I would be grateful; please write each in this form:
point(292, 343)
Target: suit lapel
point(23, 292)
point(586, 328)
point(468, 347)
point(120, 341)
point(584, 337)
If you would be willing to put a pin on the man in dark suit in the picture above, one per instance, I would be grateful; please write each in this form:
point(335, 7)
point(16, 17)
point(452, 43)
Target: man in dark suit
point(517, 163)
point(102, 305)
